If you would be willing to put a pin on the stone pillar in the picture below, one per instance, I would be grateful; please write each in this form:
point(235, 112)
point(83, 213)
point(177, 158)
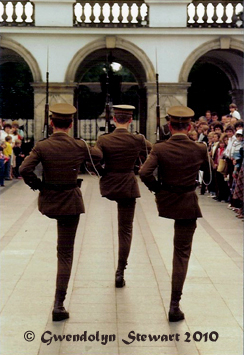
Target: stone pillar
point(168, 13)
point(54, 12)
point(170, 94)
point(237, 98)
point(58, 92)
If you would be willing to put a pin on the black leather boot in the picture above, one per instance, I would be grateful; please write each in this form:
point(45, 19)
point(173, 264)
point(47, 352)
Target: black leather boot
point(59, 312)
point(119, 276)
point(175, 314)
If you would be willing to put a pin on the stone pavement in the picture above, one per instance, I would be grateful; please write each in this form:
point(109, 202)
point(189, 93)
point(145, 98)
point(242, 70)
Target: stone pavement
point(106, 317)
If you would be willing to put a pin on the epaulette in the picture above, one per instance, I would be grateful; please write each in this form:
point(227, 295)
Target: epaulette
point(43, 139)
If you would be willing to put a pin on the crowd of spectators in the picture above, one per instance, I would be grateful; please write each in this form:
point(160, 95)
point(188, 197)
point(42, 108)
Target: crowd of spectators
point(11, 154)
point(224, 139)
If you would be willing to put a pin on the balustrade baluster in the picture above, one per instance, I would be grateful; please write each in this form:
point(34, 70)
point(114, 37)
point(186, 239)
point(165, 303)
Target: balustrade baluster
point(205, 16)
point(188, 16)
point(111, 3)
point(139, 16)
point(4, 12)
point(224, 17)
point(146, 18)
point(83, 16)
point(33, 15)
point(92, 17)
point(14, 16)
point(215, 17)
point(120, 17)
point(24, 16)
point(196, 17)
point(129, 17)
point(234, 17)
point(101, 16)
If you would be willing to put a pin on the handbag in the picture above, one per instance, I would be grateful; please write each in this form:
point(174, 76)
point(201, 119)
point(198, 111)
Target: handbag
point(222, 166)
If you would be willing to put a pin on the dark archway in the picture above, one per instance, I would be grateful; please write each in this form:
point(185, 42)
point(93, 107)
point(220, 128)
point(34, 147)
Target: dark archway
point(216, 80)
point(125, 84)
point(16, 92)
point(210, 89)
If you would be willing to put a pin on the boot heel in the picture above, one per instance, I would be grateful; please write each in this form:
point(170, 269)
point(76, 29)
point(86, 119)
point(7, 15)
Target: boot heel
point(58, 316)
point(176, 316)
point(119, 282)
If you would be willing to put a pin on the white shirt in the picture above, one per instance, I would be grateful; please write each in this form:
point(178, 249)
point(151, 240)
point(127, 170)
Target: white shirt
point(227, 151)
point(236, 114)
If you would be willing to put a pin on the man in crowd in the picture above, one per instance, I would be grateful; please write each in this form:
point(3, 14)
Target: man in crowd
point(178, 161)
point(60, 196)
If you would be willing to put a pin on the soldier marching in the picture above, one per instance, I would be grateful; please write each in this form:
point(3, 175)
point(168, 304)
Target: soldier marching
point(113, 157)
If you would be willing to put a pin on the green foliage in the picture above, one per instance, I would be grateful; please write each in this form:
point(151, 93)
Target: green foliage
point(94, 73)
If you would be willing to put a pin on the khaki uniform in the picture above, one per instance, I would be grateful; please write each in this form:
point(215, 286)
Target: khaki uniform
point(120, 151)
point(61, 157)
point(59, 197)
point(178, 159)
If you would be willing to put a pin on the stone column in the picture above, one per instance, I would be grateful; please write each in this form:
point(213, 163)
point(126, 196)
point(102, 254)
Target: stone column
point(58, 92)
point(170, 94)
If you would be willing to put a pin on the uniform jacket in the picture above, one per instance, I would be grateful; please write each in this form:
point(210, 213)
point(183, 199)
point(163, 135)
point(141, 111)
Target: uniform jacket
point(120, 151)
point(179, 159)
point(61, 157)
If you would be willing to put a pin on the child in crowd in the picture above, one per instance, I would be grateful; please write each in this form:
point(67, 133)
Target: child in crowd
point(204, 134)
point(8, 151)
point(3, 160)
point(193, 135)
point(233, 111)
point(18, 158)
point(210, 141)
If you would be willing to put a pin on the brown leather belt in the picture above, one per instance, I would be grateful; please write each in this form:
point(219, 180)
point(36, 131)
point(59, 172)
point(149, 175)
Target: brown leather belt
point(177, 189)
point(62, 187)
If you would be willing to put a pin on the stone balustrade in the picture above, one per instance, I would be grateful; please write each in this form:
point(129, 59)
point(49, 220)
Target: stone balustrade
point(16, 13)
point(110, 14)
point(222, 14)
point(215, 14)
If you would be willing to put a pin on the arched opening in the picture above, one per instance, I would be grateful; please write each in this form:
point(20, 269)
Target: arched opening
point(215, 72)
point(16, 94)
point(210, 89)
point(109, 74)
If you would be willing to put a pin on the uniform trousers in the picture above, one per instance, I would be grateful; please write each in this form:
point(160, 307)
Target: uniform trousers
point(67, 226)
point(126, 211)
point(184, 230)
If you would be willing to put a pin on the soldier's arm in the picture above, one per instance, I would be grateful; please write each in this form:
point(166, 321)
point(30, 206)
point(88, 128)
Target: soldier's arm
point(97, 156)
point(27, 170)
point(146, 172)
point(146, 147)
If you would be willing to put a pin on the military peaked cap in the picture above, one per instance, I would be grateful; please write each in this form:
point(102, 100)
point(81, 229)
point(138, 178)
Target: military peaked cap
point(62, 111)
point(126, 109)
point(180, 114)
